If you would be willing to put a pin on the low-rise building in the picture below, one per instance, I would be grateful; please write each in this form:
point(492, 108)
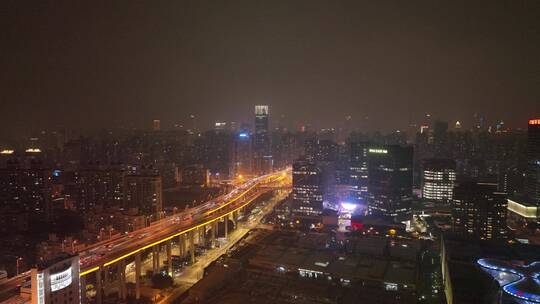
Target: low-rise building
point(56, 281)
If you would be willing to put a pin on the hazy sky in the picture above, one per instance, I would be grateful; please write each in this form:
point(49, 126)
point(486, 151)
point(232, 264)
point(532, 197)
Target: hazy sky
point(111, 63)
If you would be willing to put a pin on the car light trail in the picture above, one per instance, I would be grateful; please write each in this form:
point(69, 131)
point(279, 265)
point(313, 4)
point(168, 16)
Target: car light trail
point(271, 178)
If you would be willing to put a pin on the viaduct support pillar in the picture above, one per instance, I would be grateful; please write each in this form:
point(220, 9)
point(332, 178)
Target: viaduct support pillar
point(106, 276)
point(226, 220)
point(122, 278)
point(213, 234)
point(192, 246)
point(99, 286)
point(155, 258)
point(202, 236)
point(138, 275)
point(182, 245)
point(169, 258)
point(82, 283)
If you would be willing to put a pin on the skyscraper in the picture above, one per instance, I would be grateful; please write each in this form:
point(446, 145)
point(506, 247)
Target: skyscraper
point(262, 158)
point(438, 179)
point(321, 150)
point(243, 154)
point(532, 181)
point(390, 180)
point(309, 184)
point(526, 208)
point(478, 210)
point(358, 170)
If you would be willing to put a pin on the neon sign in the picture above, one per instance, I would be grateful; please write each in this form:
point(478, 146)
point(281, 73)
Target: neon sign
point(378, 151)
point(534, 121)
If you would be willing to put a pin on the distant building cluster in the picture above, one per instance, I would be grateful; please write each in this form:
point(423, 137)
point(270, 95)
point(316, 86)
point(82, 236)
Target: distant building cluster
point(431, 181)
point(481, 183)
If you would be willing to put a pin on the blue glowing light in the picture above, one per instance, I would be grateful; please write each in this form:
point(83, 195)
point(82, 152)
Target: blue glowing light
point(56, 173)
point(515, 280)
point(348, 206)
point(243, 135)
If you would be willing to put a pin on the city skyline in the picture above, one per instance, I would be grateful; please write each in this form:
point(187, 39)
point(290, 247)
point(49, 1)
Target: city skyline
point(270, 152)
point(347, 124)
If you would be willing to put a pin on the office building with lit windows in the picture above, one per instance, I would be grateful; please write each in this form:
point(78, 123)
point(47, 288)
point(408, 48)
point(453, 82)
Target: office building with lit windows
point(479, 210)
point(321, 150)
point(56, 281)
point(390, 180)
point(525, 208)
point(358, 170)
point(438, 180)
point(262, 157)
point(310, 187)
point(532, 176)
point(243, 153)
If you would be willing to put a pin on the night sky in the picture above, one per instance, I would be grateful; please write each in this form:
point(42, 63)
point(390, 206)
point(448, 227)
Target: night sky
point(124, 63)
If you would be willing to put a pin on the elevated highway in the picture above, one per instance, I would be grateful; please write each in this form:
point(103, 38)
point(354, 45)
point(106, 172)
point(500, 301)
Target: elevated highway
point(106, 261)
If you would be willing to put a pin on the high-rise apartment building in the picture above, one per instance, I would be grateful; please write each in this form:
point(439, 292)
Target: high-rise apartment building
point(92, 187)
point(26, 186)
point(143, 192)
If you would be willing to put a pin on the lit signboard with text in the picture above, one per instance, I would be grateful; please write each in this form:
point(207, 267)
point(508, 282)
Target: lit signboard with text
point(60, 280)
point(378, 151)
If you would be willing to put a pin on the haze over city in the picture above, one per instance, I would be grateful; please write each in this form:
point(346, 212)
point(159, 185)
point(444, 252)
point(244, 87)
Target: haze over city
point(270, 152)
point(112, 64)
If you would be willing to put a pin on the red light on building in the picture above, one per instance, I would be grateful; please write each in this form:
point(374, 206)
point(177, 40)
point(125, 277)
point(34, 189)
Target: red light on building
point(534, 121)
point(356, 225)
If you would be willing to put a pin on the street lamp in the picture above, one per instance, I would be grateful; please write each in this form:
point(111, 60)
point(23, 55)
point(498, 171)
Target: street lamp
point(17, 262)
point(73, 246)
